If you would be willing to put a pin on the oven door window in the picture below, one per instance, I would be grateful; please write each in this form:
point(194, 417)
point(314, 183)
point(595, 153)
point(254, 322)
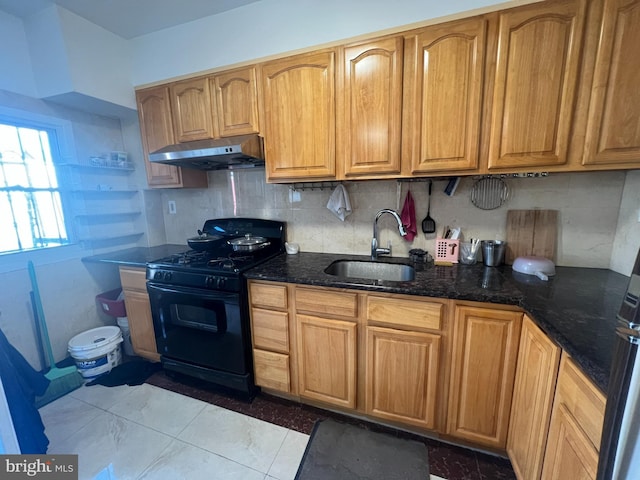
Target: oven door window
point(210, 316)
point(200, 327)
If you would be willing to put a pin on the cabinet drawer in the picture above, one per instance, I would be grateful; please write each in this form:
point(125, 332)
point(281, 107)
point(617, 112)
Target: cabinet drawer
point(272, 370)
point(133, 279)
point(270, 330)
point(403, 312)
point(582, 399)
point(270, 296)
point(327, 302)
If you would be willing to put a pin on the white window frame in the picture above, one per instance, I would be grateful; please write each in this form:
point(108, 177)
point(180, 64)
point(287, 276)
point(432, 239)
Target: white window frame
point(63, 129)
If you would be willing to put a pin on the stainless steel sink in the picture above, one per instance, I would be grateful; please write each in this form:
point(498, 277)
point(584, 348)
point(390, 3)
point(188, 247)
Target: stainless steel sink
point(390, 272)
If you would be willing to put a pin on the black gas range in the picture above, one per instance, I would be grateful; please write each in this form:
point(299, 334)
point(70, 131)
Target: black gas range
point(199, 302)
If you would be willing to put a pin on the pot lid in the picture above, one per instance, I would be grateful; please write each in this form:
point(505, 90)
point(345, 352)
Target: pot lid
point(247, 240)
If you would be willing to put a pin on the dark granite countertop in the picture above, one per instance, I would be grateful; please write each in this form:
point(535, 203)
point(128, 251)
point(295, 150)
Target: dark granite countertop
point(576, 308)
point(137, 256)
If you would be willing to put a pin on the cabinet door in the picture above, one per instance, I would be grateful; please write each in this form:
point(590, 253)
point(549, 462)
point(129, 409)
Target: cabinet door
point(156, 128)
point(236, 102)
point(143, 337)
point(371, 108)
point(444, 74)
point(576, 426)
point(402, 376)
point(485, 349)
point(299, 116)
point(539, 51)
point(156, 125)
point(192, 110)
point(327, 360)
point(535, 382)
point(613, 131)
point(569, 452)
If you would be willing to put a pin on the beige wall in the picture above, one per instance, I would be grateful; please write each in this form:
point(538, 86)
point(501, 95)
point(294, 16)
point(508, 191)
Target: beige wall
point(627, 240)
point(589, 205)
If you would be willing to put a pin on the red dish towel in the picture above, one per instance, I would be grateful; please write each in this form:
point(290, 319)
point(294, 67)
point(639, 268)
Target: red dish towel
point(408, 217)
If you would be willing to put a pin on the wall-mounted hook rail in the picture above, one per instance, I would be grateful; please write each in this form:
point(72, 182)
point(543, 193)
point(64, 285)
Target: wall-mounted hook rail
point(301, 187)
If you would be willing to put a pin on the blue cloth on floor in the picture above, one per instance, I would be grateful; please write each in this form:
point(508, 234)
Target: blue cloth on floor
point(22, 383)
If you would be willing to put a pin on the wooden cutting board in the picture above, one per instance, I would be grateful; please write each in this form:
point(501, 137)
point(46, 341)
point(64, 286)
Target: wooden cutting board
point(531, 232)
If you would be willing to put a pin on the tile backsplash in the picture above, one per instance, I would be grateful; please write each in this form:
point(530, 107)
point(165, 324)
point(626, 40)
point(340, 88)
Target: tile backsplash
point(589, 204)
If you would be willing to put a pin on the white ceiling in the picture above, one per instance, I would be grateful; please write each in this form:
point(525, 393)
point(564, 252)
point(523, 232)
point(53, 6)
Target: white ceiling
point(129, 18)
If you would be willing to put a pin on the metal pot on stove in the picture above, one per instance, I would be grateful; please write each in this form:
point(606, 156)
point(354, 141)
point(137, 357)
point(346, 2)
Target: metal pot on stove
point(248, 243)
point(204, 241)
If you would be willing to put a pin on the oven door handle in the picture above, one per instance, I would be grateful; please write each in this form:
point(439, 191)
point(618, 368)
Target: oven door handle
point(209, 294)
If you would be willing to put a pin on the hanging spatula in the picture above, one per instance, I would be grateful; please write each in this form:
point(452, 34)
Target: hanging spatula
point(429, 224)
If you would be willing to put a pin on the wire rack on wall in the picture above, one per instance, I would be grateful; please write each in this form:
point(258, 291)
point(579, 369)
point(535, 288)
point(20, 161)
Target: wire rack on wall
point(301, 187)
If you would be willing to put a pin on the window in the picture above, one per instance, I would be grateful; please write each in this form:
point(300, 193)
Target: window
point(31, 214)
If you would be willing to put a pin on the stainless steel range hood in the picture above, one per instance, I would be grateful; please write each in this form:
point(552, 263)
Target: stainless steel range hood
point(229, 153)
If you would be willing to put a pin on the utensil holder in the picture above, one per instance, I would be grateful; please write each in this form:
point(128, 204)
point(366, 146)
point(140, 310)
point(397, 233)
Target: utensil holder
point(447, 250)
point(493, 252)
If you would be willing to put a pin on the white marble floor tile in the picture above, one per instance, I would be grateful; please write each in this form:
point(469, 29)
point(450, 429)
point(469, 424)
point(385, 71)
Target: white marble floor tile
point(244, 439)
point(101, 396)
point(111, 439)
point(182, 460)
point(288, 459)
point(157, 408)
point(65, 416)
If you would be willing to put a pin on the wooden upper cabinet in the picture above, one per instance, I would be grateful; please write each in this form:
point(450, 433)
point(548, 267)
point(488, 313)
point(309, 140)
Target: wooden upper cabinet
point(613, 129)
point(444, 75)
point(534, 96)
point(236, 99)
point(485, 350)
point(370, 108)
point(156, 125)
point(298, 115)
point(192, 110)
point(156, 128)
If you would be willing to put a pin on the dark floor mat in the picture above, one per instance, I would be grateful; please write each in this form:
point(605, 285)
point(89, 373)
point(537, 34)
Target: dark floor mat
point(339, 451)
point(134, 372)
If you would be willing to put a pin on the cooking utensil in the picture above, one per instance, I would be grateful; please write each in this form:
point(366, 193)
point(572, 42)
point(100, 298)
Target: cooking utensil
point(428, 223)
point(541, 267)
point(489, 193)
point(204, 241)
point(248, 243)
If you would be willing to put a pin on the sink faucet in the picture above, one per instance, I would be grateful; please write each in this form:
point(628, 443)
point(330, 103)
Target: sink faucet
point(375, 250)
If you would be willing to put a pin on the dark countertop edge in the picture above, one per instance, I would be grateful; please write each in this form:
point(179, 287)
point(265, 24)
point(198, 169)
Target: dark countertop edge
point(136, 256)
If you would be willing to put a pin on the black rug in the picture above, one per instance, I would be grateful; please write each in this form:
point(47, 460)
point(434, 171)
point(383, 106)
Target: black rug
point(133, 372)
point(339, 451)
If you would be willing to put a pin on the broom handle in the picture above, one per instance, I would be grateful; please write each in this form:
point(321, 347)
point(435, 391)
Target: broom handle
point(41, 319)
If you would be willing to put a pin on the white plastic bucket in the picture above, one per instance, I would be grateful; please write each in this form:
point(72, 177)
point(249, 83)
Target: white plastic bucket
point(96, 351)
point(123, 323)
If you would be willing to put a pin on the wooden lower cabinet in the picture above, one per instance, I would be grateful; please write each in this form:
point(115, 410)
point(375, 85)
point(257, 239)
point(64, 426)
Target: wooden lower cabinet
point(270, 335)
point(535, 383)
point(576, 427)
point(402, 376)
point(136, 300)
point(327, 360)
point(430, 364)
point(485, 349)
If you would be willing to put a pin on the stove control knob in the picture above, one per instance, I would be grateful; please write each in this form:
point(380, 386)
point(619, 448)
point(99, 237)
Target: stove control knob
point(157, 275)
point(209, 281)
point(167, 275)
point(221, 282)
